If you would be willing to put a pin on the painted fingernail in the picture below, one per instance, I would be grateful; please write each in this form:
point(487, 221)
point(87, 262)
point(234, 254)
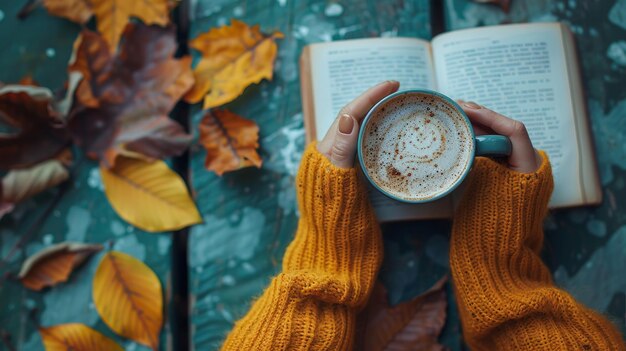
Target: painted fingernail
point(346, 123)
point(472, 105)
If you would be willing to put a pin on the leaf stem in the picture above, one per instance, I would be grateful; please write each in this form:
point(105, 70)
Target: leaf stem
point(28, 8)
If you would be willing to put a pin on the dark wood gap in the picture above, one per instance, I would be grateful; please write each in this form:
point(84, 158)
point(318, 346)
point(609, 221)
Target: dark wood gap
point(179, 322)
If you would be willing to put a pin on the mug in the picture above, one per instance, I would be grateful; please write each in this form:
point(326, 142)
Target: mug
point(483, 145)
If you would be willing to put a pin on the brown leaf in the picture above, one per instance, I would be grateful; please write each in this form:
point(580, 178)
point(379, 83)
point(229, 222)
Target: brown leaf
point(79, 11)
point(504, 4)
point(411, 325)
point(121, 107)
point(54, 264)
point(233, 57)
point(40, 133)
point(230, 140)
point(19, 185)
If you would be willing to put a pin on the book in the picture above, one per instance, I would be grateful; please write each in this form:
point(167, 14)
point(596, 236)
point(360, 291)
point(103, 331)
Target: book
point(529, 72)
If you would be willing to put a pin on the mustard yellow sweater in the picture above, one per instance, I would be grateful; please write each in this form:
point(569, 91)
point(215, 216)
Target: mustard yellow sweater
point(506, 297)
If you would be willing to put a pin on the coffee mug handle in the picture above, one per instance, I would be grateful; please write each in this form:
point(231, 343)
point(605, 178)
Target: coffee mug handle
point(493, 145)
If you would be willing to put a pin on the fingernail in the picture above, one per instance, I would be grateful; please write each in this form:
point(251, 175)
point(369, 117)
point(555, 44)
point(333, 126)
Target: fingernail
point(346, 124)
point(472, 105)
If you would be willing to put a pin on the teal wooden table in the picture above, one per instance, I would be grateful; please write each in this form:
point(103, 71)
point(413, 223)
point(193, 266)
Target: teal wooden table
point(250, 215)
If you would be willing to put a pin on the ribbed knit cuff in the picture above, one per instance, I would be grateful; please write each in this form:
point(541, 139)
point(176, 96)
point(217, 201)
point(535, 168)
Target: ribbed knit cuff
point(337, 232)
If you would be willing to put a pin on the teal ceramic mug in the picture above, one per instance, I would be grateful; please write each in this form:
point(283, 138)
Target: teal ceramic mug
point(417, 146)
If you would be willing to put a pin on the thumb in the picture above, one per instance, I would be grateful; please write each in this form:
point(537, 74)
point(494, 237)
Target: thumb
point(344, 146)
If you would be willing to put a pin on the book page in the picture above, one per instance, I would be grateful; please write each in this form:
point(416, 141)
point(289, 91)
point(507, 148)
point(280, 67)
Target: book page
point(341, 71)
point(519, 71)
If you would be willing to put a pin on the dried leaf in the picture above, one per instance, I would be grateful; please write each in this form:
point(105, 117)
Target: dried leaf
point(76, 337)
point(121, 106)
point(54, 264)
point(230, 140)
point(149, 195)
point(79, 11)
point(411, 325)
point(233, 57)
point(40, 133)
point(112, 16)
point(128, 297)
point(504, 4)
point(18, 185)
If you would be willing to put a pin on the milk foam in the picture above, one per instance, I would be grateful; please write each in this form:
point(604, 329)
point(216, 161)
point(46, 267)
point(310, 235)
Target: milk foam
point(416, 146)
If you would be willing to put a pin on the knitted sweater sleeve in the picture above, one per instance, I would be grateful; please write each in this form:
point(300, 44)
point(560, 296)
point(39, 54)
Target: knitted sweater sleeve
point(506, 296)
point(328, 270)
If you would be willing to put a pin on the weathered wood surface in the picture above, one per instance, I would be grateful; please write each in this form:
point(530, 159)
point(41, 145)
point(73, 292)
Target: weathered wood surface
point(250, 215)
point(40, 47)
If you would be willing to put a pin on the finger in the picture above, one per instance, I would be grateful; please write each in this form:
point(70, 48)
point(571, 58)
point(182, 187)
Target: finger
point(359, 107)
point(524, 157)
point(344, 144)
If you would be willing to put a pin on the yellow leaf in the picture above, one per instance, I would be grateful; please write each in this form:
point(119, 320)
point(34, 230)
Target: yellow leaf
point(233, 57)
point(54, 264)
point(76, 337)
point(230, 141)
point(113, 15)
point(78, 11)
point(149, 195)
point(129, 299)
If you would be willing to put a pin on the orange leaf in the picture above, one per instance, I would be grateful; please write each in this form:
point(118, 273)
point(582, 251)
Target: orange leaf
point(230, 140)
point(113, 15)
point(128, 297)
point(76, 337)
point(233, 57)
point(411, 325)
point(78, 11)
point(54, 264)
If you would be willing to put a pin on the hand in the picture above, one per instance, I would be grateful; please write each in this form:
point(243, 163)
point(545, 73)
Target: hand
point(524, 158)
point(340, 142)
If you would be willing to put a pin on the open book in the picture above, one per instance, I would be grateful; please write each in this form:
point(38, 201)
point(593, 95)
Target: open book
point(528, 72)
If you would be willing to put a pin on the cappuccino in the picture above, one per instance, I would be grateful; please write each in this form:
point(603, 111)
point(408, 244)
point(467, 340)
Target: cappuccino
point(416, 146)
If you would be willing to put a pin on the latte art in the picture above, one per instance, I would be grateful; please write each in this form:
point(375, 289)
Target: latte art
point(416, 146)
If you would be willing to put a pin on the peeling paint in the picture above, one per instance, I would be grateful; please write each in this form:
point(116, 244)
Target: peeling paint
point(617, 15)
point(77, 221)
point(130, 245)
point(219, 238)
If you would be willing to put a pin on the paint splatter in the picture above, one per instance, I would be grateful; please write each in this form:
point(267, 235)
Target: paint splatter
point(238, 11)
point(617, 52)
point(333, 10)
point(130, 245)
point(48, 239)
point(77, 221)
point(94, 180)
point(313, 28)
point(596, 228)
point(220, 238)
point(117, 228)
point(617, 15)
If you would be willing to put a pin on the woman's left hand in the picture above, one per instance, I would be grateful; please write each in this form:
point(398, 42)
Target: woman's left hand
point(340, 142)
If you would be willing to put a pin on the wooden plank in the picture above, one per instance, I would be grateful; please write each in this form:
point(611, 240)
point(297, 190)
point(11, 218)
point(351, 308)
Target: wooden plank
point(40, 46)
point(585, 247)
point(250, 215)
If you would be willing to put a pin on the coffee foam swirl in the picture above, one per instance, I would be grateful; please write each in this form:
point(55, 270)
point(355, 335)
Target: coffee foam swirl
point(416, 146)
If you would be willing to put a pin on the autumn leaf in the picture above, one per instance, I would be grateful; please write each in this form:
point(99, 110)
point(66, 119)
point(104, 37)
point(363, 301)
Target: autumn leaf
point(21, 184)
point(38, 135)
point(411, 325)
point(233, 57)
point(149, 195)
point(76, 337)
point(230, 141)
point(121, 107)
point(54, 264)
point(79, 11)
point(129, 299)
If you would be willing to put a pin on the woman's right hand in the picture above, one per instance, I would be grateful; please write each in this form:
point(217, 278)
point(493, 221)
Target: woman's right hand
point(524, 158)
